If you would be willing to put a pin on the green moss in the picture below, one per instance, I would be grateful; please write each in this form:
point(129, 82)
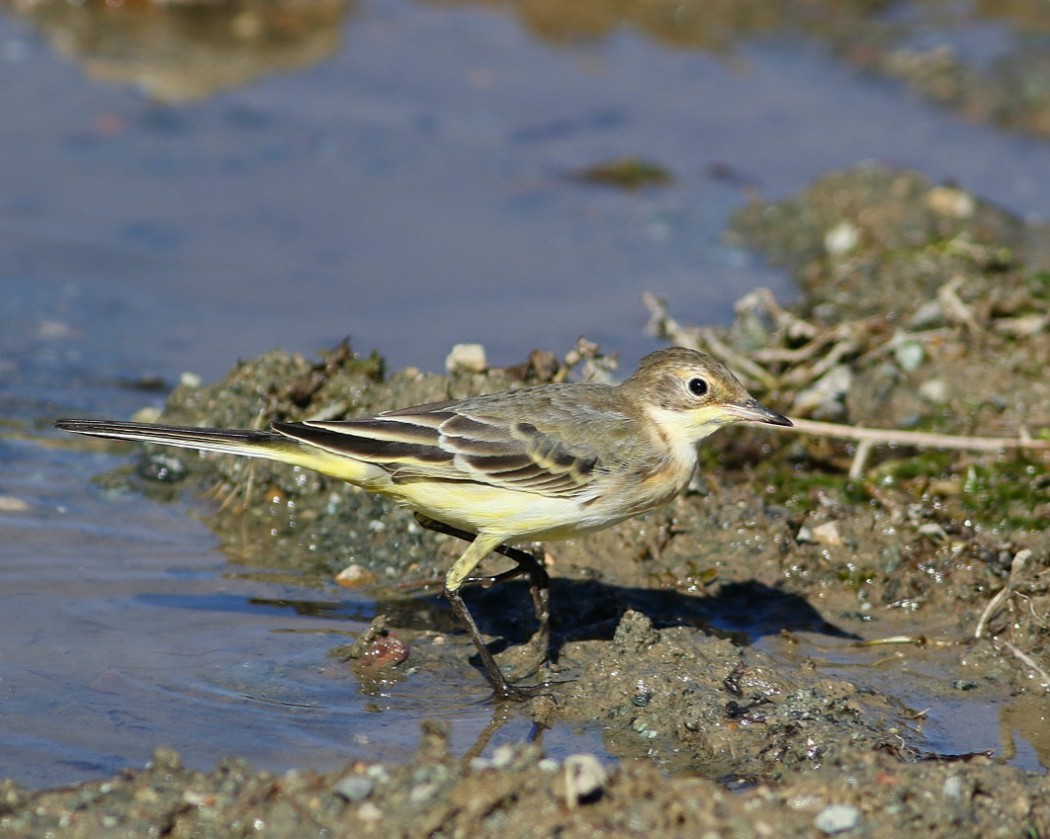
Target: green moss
point(800, 490)
point(1004, 493)
point(1008, 493)
point(927, 464)
point(626, 173)
point(1039, 285)
point(855, 578)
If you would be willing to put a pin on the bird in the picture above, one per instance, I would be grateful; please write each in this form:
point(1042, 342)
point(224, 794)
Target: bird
point(539, 463)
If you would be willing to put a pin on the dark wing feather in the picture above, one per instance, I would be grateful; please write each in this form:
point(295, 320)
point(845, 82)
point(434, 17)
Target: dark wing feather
point(478, 440)
point(385, 442)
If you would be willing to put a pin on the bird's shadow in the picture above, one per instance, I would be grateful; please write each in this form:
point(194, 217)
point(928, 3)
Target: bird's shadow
point(591, 610)
point(583, 610)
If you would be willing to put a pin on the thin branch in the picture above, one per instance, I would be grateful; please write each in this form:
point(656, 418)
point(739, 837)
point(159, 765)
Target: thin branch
point(1016, 567)
point(890, 436)
point(860, 459)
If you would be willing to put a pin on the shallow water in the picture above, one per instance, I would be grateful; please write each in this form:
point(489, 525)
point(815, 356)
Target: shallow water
point(412, 190)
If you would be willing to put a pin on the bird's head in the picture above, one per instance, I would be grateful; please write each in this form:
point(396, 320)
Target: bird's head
point(690, 395)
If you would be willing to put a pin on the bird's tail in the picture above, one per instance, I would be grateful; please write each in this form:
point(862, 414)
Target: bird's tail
point(265, 444)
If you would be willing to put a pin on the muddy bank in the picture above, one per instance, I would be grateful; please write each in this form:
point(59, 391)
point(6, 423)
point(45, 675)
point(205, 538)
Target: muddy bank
point(518, 793)
point(751, 651)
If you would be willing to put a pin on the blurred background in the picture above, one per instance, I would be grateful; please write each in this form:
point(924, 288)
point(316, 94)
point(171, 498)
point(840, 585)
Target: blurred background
point(186, 183)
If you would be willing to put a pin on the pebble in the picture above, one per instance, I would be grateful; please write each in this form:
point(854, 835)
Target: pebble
point(826, 395)
point(909, 355)
point(837, 818)
point(377, 772)
point(928, 315)
point(368, 812)
point(934, 391)
point(952, 787)
point(502, 756)
point(466, 358)
point(423, 792)
point(584, 776)
point(354, 788)
point(841, 238)
point(827, 534)
point(949, 201)
point(823, 534)
point(355, 576)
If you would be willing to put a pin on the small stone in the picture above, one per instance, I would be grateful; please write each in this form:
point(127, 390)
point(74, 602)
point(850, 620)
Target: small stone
point(466, 358)
point(354, 788)
point(837, 818)
point(502, 756)
point(928, 315)
point(934, 391)
point(949, 201)
point(642, 694)
point(423, 792)
point(385, 651)
point(584, 778)
point(826, 396)
point(147, 414)
point(821, 534)
point(368, 812)
point(378, 773)
point(909, 355)
point(842, 238)
point(827, 534)
point(355, 576)
point(952, 787)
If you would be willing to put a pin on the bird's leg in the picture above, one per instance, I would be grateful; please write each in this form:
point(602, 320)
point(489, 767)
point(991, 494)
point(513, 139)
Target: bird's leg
point(526, 563)
point(503, 688)
point(539, 589)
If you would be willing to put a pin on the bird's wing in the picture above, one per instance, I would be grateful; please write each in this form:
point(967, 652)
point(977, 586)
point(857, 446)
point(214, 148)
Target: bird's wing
point(480, 441)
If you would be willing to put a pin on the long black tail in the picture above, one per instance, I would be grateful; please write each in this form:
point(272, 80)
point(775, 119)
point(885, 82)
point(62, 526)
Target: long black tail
point(264, 444)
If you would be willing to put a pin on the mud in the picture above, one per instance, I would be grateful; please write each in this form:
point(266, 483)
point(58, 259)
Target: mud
point(518, 792)
point(750, 651)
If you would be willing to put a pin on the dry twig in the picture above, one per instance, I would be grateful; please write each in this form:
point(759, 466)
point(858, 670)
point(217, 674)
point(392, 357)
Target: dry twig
point(870, 437)
point(1015, 569)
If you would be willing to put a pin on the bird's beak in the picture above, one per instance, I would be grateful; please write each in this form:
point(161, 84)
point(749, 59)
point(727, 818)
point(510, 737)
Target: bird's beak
point(751, 411)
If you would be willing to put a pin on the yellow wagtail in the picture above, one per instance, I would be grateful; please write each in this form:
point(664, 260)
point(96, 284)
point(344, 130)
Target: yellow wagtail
point(545, 462)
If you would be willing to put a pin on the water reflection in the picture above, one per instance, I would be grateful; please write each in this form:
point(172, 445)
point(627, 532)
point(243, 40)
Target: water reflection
point(194, 50)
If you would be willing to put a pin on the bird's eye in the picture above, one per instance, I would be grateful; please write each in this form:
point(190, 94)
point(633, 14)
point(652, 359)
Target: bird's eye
point(698, 387)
